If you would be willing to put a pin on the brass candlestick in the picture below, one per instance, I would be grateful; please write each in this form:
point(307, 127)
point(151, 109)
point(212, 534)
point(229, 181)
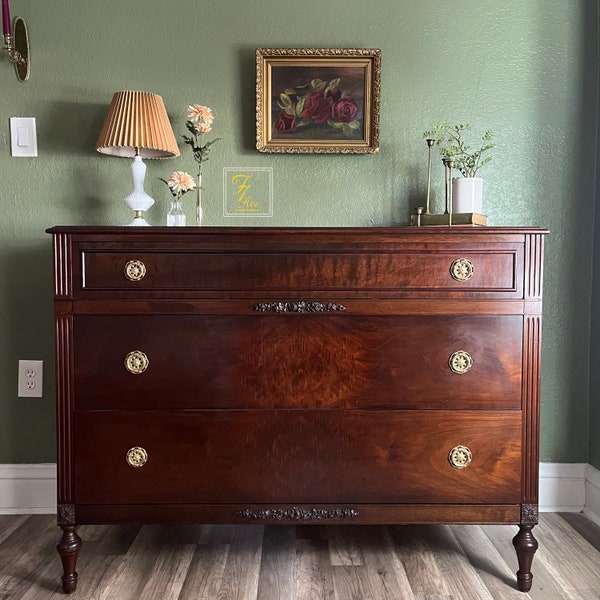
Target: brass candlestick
point(430, 143)
point(419, 213)
point(445, 163)
point(450, 164)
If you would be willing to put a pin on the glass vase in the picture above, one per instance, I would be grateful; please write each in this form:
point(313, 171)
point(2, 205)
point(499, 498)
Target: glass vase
point(176, 216)
point(199, 200)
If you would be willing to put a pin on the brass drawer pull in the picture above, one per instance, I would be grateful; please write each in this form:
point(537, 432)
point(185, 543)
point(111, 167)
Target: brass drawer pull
point(462, 269)
point(136, 457)
point(460, 362)
point(135, 270)
point(136, 362)
point(460, 457)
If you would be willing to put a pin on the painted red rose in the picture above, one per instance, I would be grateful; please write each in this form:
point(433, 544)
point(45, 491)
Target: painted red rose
point(344, 110)
point(317, 107)
point(285, 122)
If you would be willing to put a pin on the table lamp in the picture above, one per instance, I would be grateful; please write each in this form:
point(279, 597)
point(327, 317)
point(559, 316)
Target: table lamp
point(137, 126)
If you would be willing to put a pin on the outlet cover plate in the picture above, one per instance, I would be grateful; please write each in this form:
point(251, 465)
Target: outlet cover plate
point(31, 378)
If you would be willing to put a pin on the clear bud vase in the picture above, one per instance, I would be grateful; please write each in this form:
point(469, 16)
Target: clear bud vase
point(176, 216)
point(199, 200)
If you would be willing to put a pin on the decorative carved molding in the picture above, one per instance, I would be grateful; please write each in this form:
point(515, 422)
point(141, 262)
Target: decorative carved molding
point(298, 306)
point(298, 514)
point(529, 514)
point(65, 514)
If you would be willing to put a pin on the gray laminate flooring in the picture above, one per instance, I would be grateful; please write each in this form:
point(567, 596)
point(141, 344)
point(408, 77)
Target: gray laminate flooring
point(317, 562)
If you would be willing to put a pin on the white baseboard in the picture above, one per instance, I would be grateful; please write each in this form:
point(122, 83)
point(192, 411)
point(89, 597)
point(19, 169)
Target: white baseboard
point(28, 489)
point(564, 487)
point(592, 494)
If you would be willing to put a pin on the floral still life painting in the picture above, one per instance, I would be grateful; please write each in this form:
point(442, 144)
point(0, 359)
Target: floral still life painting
point(321, 108)
point(318, 100)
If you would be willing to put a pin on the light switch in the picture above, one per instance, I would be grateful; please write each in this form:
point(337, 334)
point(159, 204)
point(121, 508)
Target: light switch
point(23, 138)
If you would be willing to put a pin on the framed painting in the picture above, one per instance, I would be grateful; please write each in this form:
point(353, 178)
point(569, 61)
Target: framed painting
point(318, 100)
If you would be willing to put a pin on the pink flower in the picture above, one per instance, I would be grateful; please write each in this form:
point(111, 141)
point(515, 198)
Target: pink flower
point(180, 182)
point(197, 112)
point(203, 127)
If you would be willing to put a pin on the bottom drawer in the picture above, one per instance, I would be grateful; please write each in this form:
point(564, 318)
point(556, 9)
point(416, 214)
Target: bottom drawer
point(297, 456)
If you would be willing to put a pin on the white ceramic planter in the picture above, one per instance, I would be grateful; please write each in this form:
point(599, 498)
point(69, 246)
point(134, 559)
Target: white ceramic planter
point(467, 195)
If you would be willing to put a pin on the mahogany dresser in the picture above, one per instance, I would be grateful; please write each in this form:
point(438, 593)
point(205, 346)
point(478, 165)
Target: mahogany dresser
point(297, 376)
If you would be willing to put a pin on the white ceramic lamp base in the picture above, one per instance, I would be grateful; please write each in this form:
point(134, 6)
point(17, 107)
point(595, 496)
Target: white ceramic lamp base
point(138, 201)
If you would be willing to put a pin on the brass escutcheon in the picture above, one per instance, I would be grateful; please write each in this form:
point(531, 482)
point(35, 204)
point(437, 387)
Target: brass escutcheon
point(461, 269)
point(136, 362)
point(135, 270)
point(460, 362)
point(460, 457)
point(136, 457)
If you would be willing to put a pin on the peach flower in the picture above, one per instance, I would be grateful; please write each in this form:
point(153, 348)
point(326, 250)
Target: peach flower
point(203, 127)
point(180, 182)
point(197, 112)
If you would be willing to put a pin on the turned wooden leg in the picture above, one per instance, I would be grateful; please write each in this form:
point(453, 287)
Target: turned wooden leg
point(68, 548)
point(525, 545)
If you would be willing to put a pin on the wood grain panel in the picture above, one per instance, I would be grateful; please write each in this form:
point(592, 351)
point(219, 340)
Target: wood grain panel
point(296, 456)
point(298, 361)
point(415, 270)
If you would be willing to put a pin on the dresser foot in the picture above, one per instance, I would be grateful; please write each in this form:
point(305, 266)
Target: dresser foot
point(68, 548)
point(525, 545)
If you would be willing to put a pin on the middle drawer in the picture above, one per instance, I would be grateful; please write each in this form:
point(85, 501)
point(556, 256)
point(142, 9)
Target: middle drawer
point(297, 361)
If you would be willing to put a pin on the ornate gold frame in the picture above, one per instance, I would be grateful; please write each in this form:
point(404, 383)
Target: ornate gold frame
point(271, 139)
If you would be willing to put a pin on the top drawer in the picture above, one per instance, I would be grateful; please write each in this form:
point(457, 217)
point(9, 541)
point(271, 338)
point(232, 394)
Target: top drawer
point(420, 272)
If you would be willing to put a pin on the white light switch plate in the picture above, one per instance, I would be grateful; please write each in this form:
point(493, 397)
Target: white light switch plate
point(23, 138)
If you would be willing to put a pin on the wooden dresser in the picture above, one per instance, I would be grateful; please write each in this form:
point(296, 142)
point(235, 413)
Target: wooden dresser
point(309, 375)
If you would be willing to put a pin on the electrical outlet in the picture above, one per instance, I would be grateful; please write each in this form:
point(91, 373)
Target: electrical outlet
point(31, 378)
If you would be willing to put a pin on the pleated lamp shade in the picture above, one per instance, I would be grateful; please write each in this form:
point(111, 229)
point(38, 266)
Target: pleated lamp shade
point(137, 125)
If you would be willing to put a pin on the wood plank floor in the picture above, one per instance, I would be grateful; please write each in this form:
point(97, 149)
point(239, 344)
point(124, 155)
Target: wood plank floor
point(317, 562)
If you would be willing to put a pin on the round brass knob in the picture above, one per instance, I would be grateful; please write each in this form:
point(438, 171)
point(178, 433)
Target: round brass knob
point(135, 270)
point(136, 457)
point(462, 269)
point(460, 362)
point(460, 457)
point(136, 362)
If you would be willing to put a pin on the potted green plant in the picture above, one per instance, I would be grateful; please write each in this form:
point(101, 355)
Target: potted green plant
point(467, 191)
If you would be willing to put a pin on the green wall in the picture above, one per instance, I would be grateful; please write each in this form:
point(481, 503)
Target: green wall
point(594, 457)
point(516, 67)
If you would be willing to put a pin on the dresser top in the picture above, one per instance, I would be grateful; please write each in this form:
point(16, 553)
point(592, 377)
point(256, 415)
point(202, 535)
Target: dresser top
point(328, 233)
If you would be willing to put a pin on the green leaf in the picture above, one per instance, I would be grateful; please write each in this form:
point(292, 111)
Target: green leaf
point(300, 106)
point(285, 99)
point(331, 85)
